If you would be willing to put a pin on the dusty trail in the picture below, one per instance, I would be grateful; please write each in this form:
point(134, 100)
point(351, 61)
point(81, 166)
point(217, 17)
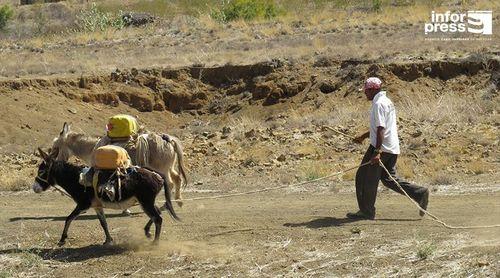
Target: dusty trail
point(278, 233)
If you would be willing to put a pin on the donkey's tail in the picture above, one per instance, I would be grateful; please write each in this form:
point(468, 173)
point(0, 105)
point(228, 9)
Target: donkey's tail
point(142, 153)
point(168, 202)
point(180, 158)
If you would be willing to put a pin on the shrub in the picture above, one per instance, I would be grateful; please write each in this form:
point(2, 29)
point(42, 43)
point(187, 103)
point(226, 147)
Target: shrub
point(93, 19)
point(6, 13)
point(377, 5)
point(442, 179)
point(245, 9)
point(313, 170)
point(425, 251)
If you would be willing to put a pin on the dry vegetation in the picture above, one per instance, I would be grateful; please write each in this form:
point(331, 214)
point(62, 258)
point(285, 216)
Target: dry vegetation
point(40, 34)
point(255, 130)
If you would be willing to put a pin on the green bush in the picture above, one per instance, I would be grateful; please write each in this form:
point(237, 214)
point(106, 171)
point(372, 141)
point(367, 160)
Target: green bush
point(425, 251)
point(93, 19)
point(6, 13)
point(377, 5)
point(245, 9)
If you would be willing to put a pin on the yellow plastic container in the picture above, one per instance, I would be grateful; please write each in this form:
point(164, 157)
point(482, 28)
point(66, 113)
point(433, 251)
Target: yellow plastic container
point(121, 126)
point(111, 157)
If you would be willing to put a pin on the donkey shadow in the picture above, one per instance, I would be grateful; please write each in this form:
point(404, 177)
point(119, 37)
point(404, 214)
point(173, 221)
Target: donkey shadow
point(78, 254)
point(325, 222)
point(81, 217)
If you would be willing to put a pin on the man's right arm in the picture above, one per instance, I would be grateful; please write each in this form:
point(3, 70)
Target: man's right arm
point(359, 139)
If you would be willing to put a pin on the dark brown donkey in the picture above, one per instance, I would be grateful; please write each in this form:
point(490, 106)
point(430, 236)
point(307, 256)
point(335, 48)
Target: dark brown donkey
point(141, 185)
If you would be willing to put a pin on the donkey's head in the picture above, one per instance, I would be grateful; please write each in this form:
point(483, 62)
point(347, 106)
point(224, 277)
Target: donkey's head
point(60, 145)
point(43, 179)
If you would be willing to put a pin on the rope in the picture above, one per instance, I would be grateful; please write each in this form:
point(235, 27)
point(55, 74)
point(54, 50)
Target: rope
point(340, 132)
point(61, 191)
point(433, 217)
point(273, 188)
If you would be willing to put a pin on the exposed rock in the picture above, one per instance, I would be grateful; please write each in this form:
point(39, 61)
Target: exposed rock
point(327, 86)
point(263, 90)
point(251, 134)
point(281, 158)
point(137, 19)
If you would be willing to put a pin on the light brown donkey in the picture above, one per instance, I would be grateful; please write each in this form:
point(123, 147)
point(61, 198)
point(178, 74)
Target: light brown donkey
point(160, 153)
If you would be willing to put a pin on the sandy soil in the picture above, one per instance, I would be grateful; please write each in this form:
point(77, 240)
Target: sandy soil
point(251, 104)
point(287, 233)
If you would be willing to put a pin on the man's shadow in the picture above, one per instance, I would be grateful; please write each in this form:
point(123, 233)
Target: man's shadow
point(325, 222)
point(69, 254)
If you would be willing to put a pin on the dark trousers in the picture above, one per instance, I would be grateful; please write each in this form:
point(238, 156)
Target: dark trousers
point(368, 176)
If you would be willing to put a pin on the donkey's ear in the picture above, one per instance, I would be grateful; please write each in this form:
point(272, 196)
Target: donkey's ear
point(44, 155)
point(53, 152)
point(65, 129)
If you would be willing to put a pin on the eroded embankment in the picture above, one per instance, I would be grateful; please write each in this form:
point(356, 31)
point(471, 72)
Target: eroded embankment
point(221, 89)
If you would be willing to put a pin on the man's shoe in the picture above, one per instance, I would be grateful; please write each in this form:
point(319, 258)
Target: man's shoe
point(424, 202)
point(359, 215)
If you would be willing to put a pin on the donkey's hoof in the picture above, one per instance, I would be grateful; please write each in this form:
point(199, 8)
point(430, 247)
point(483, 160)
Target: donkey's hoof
point(126, 212)
point(61, 243)
point(148, 234)
point(109, 242)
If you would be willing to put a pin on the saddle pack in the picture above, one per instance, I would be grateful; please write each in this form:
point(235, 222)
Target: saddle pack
point(121, 126)
point(111, 164)
point(111, 157)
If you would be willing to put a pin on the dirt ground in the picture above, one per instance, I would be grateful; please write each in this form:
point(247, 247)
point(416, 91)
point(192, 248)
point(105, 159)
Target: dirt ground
point(257, 105)
point(292, 233)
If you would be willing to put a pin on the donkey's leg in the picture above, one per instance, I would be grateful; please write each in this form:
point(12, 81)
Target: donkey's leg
point(174, 180)
point(74, 214)
point(177, 183)
point(147, 228)
point(158, 221)
point(104, 225)
point(155, 216)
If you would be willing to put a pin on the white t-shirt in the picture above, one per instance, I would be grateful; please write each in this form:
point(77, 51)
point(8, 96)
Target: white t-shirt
point(383, 113)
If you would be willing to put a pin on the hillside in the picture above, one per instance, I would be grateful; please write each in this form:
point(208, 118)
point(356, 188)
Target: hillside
point(256, 103)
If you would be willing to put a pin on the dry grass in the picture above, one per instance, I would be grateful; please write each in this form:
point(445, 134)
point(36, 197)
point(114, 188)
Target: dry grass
point(447, 108)
point(478, 167)
point(255, 155)
point(244, 124)
point(442, 179)
point(425, 251)
point(17, 183)
point(348, 113)
point(406, 167)
point(349, 176)
point(39, 20)
point(311, 170)
point(16, 180)
point(305, 150)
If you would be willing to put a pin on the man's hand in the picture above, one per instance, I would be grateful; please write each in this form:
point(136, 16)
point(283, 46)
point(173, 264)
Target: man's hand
point(359, 139)
point(376, 159)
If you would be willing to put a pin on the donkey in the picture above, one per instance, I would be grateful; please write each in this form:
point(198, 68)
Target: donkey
point(142, 185)
point(151, 151)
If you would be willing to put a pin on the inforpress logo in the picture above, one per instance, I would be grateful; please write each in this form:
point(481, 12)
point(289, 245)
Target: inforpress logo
point(476, 22)
point(480, 22)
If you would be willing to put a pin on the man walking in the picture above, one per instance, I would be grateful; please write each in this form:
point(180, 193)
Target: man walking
point(384, 147)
